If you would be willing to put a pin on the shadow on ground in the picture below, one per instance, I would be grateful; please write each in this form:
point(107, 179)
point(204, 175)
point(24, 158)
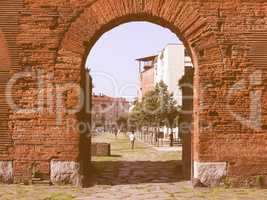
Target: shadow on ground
point(115, 156)
point(135, 172)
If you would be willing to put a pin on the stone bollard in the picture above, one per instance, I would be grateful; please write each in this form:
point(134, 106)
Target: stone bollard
point(101, 149)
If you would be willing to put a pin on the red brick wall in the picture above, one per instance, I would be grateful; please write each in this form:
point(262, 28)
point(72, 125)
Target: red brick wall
point(147, 81)
point(5, 66)
point(224, 38)
point(5, 60)
point(9, 63)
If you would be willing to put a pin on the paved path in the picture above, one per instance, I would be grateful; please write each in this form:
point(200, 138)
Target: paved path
point(148, 174)
point(140, 174)
point(144, 164)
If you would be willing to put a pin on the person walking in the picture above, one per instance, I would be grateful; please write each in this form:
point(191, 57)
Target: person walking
point(171, 139)
point(116, 133)
point(132, 139)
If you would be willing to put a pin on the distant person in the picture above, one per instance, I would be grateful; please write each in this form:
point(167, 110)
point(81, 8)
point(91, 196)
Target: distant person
point(171, 139)
point(132, 139)
point(117, 133)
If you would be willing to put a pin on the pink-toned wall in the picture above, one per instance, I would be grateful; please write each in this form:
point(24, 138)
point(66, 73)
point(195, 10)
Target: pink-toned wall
point(109, 108)
point(147, 81)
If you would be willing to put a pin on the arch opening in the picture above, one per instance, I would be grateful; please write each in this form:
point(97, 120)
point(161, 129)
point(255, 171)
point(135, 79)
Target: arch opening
point(183, 83)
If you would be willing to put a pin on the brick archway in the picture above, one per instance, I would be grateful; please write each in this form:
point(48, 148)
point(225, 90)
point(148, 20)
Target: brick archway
point(185, 22)
point(225, 39)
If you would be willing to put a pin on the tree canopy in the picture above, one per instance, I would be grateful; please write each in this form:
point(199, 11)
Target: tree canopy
point(157, 108)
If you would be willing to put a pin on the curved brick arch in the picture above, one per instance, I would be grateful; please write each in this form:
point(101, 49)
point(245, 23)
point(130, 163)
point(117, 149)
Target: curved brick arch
point(185, 21)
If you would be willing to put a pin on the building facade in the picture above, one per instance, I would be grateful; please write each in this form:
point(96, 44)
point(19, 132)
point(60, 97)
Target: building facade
point(146, 75)
point(167, 66)
point(107, 110)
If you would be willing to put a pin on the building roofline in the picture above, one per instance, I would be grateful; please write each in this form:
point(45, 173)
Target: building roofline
point(172, 44)
point(148, 58)
point(108, 97)
point(151, 58)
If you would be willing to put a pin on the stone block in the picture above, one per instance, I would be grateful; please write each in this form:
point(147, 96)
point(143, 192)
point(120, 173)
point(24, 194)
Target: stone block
point(65, 172)
point(101, 149)
point(6, 171)
point(210, 173)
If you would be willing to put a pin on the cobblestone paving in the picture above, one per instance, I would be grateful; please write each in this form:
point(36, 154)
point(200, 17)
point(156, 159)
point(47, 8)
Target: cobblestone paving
point(146, 173)
point(140, 174)
point(141, 165)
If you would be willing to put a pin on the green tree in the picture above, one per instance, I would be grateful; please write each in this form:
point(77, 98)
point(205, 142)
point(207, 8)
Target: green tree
point(158, 108)
point(122, 122)
point(151, 108)
point(136, 118)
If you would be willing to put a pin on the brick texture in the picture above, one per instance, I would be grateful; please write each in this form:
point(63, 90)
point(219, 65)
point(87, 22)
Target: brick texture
point(9, 63)
point(5, 139)
point(226, 40)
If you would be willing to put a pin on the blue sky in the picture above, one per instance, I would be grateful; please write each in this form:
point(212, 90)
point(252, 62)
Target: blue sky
point(112, 59)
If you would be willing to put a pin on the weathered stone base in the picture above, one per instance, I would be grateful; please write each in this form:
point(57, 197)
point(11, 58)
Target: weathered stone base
point(6, 172)
point(65, 172)
point(210, 173)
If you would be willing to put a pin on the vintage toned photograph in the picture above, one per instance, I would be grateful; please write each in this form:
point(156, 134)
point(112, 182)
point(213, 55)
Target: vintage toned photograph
point(133, 99)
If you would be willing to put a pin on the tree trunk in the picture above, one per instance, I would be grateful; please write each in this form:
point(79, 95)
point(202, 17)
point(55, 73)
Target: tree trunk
point(171, 137)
